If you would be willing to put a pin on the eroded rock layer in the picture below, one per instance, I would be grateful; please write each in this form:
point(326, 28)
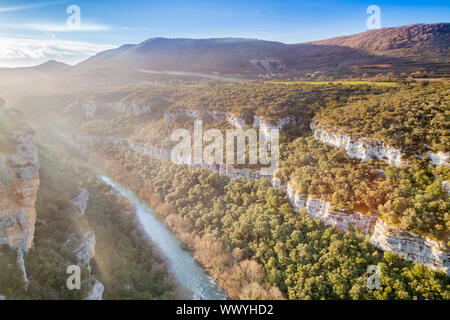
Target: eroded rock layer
point(19, 181)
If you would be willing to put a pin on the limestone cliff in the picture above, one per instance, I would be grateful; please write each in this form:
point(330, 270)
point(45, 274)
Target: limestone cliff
point(83, 245)
point(81, 201)
point(366, 149)
point(19, 175)
point(96, 289)
point(318, 208)
point(409, 245)
point(359, 148)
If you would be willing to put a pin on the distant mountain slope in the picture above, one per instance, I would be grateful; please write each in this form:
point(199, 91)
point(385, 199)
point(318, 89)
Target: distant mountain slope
point(416, 41)
point(226, 55)
point(400, 49)
point(51, 67)
point(419, 50)
point(102, 57)
point(43, 76)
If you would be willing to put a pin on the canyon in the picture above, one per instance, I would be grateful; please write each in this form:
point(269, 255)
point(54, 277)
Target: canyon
point(411, 246)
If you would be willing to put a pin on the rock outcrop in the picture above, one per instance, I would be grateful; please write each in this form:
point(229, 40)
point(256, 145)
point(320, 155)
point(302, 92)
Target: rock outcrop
point(96, 289)
point(85, 250)
point(367, 149)
point(19, 175)
point(411, 246)
point(330, 215)
point(81, 200)
point(359, 148)
point(439, 158)
point(83, 245)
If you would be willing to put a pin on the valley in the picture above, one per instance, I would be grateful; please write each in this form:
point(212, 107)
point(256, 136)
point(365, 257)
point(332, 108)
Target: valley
point(362, 179)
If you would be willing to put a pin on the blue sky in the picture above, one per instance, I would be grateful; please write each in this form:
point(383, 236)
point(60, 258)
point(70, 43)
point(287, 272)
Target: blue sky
point(34, 31)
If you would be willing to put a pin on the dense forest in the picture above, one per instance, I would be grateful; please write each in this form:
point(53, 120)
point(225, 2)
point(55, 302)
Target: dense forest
point(269, 100)
point(410, 197)
point(246, 221)
point(414, 119)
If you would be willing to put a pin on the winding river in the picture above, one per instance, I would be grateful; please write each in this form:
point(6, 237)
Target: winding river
point(189, 274)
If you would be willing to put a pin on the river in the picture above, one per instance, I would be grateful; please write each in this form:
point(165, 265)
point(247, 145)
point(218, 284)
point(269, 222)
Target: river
point(188, 272)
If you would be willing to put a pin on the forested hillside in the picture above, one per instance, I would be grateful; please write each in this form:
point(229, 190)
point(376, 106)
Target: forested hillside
point(252, 221)
point(414, 119)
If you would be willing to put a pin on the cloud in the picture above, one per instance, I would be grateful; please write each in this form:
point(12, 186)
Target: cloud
point(24, 52)
point(30, 6)
point(51, 27)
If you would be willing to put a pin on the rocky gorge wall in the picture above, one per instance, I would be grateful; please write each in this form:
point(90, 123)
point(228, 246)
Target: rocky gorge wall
point(318, 208)
point(265, 125)
point(82, 243)
point(18, 191)
point(409, 245)
point(19, 184)
point(420, 249)
point(164, 154)
point(367, 149)
point(363, 149)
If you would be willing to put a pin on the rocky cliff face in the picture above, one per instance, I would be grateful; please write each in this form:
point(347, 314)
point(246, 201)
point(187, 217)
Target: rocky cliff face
point(439, 158)
point(411, 246)
point(342, 219)
point(359, 148)
point(266, 126)
point(96, 289)
point(367, 149)
point(83, 245)
point(81, 200)
point(19, 175)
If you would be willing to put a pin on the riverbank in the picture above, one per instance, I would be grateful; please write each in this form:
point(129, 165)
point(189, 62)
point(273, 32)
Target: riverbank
point(239, 278)
point(179, 261)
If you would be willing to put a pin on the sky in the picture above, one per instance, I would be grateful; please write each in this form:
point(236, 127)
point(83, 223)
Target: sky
point(35, 31)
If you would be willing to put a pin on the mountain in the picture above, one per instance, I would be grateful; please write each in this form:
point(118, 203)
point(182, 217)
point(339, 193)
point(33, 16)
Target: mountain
point(43, 77)
point(421, 47)
point(157, 56)
point(416, 41)
point(420, 50)
point(52, 67)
